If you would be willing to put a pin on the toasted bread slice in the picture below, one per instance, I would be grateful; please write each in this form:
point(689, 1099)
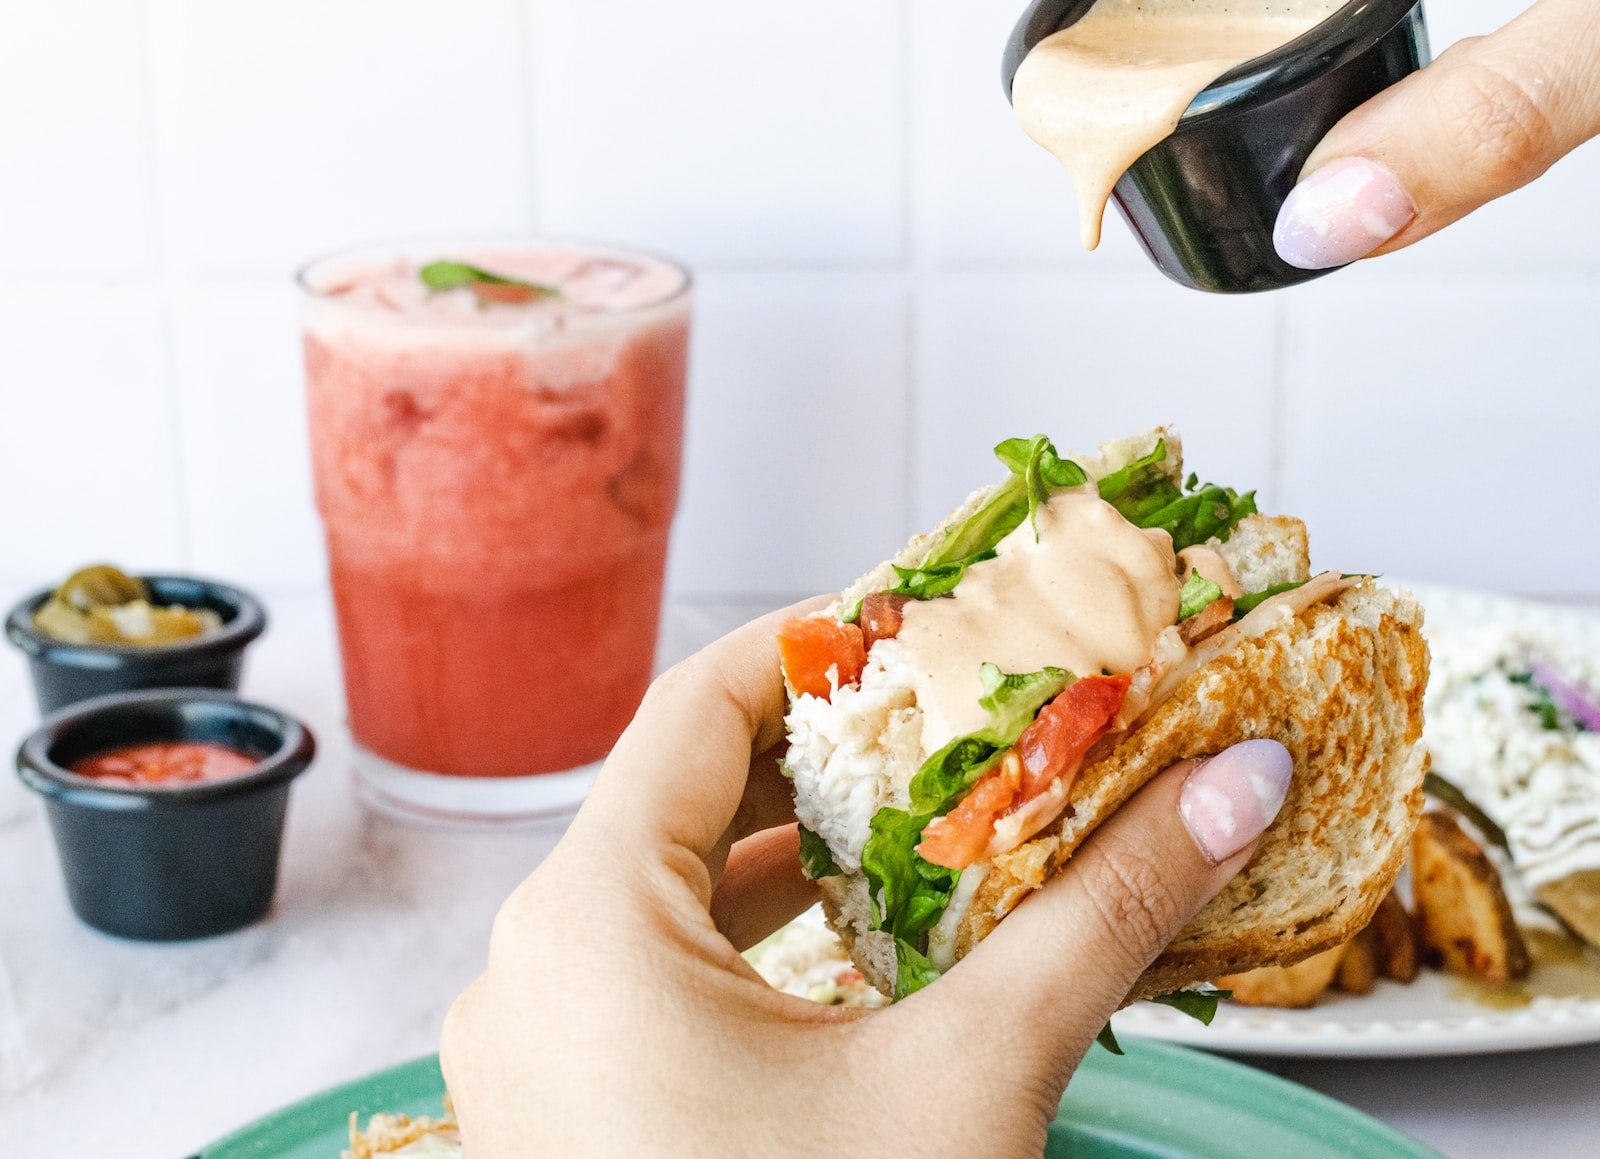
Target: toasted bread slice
point(1340, 683)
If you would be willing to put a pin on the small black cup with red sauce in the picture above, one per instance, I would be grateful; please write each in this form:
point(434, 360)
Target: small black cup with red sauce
point(167, 807)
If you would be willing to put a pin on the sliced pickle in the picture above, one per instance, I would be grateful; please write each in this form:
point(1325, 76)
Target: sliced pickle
point(102, 605)
point(101, 586)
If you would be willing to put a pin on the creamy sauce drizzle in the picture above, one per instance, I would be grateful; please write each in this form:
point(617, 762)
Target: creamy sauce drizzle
point(1101, 92)
point(1090, 594)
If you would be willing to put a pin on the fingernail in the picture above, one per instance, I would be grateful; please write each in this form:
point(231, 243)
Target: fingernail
point(1340, 213)
point(1231, 799)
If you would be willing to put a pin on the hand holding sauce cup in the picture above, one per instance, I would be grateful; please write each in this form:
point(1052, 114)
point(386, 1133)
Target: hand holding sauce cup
point(1198, 115)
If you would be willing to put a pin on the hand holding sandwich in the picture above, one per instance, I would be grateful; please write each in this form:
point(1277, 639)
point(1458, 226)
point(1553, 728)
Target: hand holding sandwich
point(616, 1015)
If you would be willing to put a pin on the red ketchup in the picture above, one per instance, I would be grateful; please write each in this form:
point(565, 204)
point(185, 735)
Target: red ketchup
point(166, 763)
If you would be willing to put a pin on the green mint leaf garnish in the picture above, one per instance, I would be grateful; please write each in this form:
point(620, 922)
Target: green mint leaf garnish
point(451, 275)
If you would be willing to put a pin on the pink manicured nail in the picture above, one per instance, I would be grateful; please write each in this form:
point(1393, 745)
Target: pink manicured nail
point(1342, 212)
point(1231, 799)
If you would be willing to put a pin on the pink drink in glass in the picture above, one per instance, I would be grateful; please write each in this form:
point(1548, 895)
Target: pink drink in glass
point(496, 480)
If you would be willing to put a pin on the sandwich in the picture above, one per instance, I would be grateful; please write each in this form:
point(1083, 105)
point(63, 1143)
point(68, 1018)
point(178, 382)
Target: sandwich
point(965, 715)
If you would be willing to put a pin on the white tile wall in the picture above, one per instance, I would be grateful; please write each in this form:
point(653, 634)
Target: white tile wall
point(733, 133)
point(290, 129)
point(76, 192)
point(89, 461)
point(1440, 432)
point(797, 436)
point(888, 284)
point(1083, 361)
point(247, 469)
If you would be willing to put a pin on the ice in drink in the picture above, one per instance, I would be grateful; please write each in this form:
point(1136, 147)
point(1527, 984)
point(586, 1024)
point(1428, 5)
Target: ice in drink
point(497, 473)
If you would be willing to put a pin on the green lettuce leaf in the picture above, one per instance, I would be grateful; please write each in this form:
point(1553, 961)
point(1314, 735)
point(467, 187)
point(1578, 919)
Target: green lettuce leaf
point(927, 583)
point(1148, 498)
point(909, 895)
point(1201, 1005)
point(815, 856)
point(1108, 1039)
point(913, 970)
point(1041, 469)
point(1011, 702)
point(1244, 605)
point(1197, 595)
point(1036, 471)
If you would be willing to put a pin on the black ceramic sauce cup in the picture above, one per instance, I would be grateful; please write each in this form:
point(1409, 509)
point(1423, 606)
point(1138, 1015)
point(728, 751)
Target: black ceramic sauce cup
point(165, 864)
point(64, 674)
point(1203, 202)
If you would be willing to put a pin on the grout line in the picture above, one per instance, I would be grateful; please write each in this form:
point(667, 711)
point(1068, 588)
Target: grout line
point(911, 325)
point(527, 29)
point(165, 285)
point(910, 257)
point(1277, 467)
point(912, 263)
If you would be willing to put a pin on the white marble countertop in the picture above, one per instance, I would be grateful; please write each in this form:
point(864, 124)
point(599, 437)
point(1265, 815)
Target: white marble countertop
point(149, 1051)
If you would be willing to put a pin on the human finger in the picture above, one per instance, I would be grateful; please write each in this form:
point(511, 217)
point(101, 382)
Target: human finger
point(764, 887)
point(1489, 116)
point(1071, 953)
point(679, 773)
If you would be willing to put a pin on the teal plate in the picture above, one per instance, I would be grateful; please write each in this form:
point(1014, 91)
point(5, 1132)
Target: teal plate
point(1157, 1102)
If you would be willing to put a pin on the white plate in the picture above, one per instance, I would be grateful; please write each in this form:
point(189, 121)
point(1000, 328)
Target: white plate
point(1431, 1016)
point(1394, 1021)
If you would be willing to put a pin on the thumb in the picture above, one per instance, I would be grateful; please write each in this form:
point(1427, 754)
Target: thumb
point(1071, 953)
point(1489, 116)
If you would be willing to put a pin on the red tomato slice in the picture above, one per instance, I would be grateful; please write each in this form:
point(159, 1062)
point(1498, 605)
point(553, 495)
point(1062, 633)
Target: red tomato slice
point(1065, 729)
point(958, 838)
point(1051, 749)
point(882, 615)
point(810, 645)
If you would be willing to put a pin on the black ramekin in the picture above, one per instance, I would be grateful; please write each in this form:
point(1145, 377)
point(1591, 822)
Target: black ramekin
point(165, 864)
point(64, 674)
point(1203, 202)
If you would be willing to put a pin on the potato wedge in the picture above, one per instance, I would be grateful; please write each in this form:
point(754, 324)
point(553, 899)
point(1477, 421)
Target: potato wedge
point(1396, 938)
point(1359, 965)
point(1296, 986)
point(1464, 922)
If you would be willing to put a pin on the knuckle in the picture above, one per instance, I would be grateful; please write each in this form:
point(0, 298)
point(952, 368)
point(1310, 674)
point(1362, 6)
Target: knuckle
point(1136, 901)
point(1506, 135)
point(457, 1023)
